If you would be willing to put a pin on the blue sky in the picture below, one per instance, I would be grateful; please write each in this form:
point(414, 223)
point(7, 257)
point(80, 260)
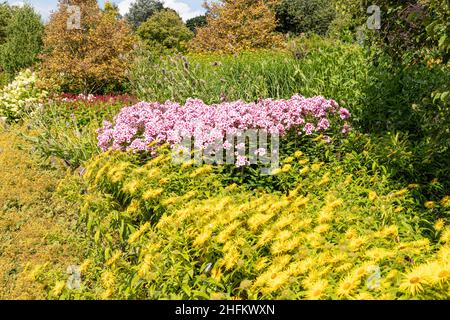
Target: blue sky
point(186, 8)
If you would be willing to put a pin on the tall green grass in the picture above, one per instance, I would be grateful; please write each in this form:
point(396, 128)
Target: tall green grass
point(334, 70)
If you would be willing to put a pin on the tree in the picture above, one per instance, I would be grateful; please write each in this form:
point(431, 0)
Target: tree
point(23, 41)
point(238, 25)
point(197, 22)
point(165, 30)
point(302, 16)
point(5, 16)
point(141, 10)
point(91, 57)
point(113, 9)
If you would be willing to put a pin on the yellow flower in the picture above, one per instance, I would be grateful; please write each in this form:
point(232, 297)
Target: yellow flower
point(131, 187)
point(231, 258)
point(201, 171)
point(137, 234)
point(114, 258)
point(151, 194)
point(377, 254)
point(225, 234)
point(107, 294)
point(245, 284)
point(300, 267)
point(286, 168)
point(445, 202)
point(357, 242)
point(202, 237)
point(289, 160)
point(344, 267)
point(392, 274)
point(322, 228)
point(441, 273)
point(58, 288)
point(348, 179)
point(413, 186)
point(325, 179)
point(188, 164)
point(387, 296)
point(85, 265)
point(372, 195)
point(429, 204)
point(445, 237)
point(444, 254)
point(400, 193)
point(275, 282)
point(217, 296)
point(364, 296)
point(133, 207)
point(261, 263)
point(413, 282)
point(108, 279)
point(303, 162)
point(304, 170)
point(152, 173)
point(347, 285)
point(324, 216)
point(316, 167)
point(317, 290)
point(216, 274)
point(298, 154)
point(350, 234)
point(164, 180)
point(439, 225)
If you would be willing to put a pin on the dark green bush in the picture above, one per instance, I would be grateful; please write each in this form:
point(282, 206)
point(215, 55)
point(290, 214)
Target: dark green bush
point(305, 16)
point(23, 40)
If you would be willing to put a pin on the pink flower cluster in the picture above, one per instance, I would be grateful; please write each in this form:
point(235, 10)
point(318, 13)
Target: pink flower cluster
point(136, 127)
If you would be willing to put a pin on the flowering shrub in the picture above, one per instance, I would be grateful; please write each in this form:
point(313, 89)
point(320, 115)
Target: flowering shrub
point(176, 231)
point(138, 127)
point(20, 96)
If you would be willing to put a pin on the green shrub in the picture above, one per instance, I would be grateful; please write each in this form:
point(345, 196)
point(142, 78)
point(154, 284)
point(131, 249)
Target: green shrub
point(304, 16)
point(196, 22)
point(165, 30)
point(141, 10)
point(23, 40)
point(67, 130)
point(168, 231)
point(331, 69)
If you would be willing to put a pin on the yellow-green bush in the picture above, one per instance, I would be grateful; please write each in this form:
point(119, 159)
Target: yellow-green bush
point(164, 230)
point(21, 96)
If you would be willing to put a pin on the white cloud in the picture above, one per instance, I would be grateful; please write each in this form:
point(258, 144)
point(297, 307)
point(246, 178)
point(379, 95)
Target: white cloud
point(18, 4)
point(183, 9)
point(124, 6)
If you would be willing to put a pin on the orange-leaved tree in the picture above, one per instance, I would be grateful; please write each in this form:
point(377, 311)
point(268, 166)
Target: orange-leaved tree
point(86, 50)
point(234, 26)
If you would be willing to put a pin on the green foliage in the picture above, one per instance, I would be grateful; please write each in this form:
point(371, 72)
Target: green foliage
point(67, 132)
point(5, 16)
point(438, 26)
point(163, 230)
point(23, 40)
point(141, 10)
point(196, 22)
point(165, 30)
point(330, 69)
point(304, 16)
